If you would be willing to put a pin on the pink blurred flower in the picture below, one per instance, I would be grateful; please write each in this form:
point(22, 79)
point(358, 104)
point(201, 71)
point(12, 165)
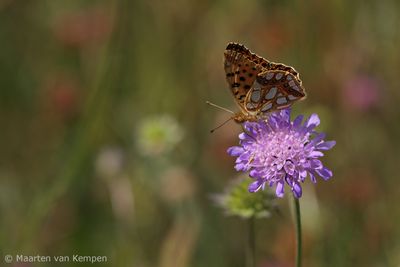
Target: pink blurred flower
point(361, 93)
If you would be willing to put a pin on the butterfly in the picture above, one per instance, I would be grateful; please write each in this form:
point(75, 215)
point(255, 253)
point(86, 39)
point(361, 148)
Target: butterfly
point(258, 85)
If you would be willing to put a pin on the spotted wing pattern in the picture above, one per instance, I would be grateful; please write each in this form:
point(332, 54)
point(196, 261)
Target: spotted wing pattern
point(241, 69)
point(258, 85)
point(273, 90)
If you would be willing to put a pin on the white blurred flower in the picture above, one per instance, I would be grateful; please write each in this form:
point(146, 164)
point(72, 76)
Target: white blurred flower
point(158, 135)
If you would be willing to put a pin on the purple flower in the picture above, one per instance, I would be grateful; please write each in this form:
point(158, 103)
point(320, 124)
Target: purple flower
point(278, 151)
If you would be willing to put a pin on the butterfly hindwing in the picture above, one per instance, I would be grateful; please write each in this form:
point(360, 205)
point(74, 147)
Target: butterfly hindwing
point(273, 90)
point(291, 85)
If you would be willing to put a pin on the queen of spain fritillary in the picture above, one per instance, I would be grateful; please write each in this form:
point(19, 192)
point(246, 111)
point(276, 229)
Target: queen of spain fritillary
point(258, 85)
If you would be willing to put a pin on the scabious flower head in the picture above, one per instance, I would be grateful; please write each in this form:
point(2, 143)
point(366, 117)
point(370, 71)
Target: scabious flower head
point(278, 151)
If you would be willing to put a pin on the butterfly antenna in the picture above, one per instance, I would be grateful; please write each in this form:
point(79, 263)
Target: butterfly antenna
point(219, 107)
point(222, 124)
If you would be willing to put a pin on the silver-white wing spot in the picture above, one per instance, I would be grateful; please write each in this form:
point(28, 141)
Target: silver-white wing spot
point(292, 84)
point(269, 75)
point(250, 106)
point(255, 96)
point(256, 86)
point(271, 93)
point(266, 107)
point(292, 97)
point(279, 76)
point(281, 100)
point(289, 78)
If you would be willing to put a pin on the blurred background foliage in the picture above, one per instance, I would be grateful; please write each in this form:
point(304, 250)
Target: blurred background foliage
point(105, 146)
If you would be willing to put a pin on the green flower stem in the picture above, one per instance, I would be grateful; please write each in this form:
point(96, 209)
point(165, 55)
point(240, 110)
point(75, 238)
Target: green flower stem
point(251, 244)
point(298, 231)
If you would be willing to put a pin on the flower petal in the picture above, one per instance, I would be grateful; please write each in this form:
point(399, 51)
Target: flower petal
point(289, 167)
point(316, 154)
point(303, 174)
point(297, 190)
point(254, 173)
point(263, 127)
point(240, 167)
point(313, 121)
point(235, 151)
point(297, 121)
point(255, 186)
point(244, 136)
point(250, 127)
point(285, 114)
point(316, 140)
point(325, 173)
point(280, 189)
point(244, 156)
point(312, 177)
point(316, 164)
point(279, 165)
point(326, 145)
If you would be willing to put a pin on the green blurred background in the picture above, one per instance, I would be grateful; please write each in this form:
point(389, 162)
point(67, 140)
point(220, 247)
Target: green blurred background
point(105, 146)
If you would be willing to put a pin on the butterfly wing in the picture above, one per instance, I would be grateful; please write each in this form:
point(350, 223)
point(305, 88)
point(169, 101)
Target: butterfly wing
point(273, 90)
point(241, 69)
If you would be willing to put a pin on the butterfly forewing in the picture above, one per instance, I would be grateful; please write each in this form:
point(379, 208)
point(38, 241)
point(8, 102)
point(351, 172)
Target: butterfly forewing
point(241, 71)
